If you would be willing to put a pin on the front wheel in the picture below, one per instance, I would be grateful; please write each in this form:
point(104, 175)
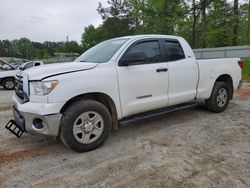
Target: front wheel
point(85, 125)
point(219, 98)
point(9, 83)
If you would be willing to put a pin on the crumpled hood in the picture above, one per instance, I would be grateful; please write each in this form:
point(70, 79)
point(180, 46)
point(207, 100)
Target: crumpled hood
point(41, 72)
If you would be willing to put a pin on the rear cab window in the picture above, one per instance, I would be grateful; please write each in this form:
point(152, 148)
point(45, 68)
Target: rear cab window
point(174, 50)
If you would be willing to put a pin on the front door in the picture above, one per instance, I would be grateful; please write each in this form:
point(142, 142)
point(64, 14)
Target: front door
point(143, 86)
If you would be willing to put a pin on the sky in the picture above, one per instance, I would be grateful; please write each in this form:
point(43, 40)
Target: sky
point(47, 20)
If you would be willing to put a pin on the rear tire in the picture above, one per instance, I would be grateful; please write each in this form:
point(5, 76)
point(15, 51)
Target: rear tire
point(85, 125)
point(219, 98)
point(8, 84)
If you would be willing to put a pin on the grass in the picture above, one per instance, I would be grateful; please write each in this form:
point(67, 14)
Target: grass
point(246, 71)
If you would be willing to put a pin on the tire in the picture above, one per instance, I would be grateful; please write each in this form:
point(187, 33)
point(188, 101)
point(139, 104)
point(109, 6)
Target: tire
point(219, 98)
point(85, 125)
point(8, 83)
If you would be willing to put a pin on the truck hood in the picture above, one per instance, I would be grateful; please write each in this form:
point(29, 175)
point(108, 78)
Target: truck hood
point(4, 62)
point(42, 72)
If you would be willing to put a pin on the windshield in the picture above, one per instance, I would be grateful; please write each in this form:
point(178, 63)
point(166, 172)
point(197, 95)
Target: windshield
point(102, 52)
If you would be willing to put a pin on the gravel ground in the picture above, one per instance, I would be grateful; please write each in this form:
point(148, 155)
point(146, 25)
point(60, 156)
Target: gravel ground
point(188, 148)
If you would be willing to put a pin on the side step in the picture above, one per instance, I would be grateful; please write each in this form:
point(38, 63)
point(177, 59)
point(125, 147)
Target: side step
point(155, 113)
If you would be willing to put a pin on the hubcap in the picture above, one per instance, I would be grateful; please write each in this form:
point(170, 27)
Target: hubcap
point(9, 84)
point(88, 127)
point(222, 97)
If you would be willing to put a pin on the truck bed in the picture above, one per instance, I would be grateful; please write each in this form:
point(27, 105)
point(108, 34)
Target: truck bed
point(211, 69)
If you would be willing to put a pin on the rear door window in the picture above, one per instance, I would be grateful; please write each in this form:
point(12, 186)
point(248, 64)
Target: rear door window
point(174, 50)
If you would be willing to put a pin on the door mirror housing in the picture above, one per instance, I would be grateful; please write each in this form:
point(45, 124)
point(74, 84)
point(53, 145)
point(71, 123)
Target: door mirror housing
point(134, 58)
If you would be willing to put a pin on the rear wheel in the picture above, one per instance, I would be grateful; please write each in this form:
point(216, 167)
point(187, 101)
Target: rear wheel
point(85, 125)
point(9, 83)
point(219, 98)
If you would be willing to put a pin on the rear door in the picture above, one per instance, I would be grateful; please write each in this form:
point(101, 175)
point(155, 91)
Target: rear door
point(144, 87)
point(183, 73)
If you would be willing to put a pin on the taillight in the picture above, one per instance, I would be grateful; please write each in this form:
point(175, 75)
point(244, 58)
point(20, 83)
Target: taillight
point(241, 64)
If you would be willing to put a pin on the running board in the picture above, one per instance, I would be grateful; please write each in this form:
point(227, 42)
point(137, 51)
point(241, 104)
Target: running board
point(155, 113)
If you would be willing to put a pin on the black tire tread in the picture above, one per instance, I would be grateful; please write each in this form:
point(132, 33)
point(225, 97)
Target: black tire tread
point(5, 80)
point(67, 117)
point(211, 103)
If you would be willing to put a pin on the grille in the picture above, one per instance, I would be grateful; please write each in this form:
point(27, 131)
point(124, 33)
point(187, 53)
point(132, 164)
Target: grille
point(19, 87)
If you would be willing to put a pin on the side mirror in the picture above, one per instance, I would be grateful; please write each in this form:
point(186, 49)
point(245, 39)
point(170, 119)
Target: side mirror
point(20, 68)
point(134, 58)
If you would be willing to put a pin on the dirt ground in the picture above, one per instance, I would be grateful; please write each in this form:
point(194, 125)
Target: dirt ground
point(188, 148)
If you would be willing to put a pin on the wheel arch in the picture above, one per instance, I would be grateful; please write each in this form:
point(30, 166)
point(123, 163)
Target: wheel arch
point(103, 98)
point(226, 78)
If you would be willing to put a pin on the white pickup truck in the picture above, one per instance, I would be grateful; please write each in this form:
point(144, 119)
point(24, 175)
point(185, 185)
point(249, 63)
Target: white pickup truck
point(80, 102)
point(8, 72)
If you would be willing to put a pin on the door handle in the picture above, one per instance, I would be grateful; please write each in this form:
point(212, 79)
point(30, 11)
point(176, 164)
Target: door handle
point(162, 70)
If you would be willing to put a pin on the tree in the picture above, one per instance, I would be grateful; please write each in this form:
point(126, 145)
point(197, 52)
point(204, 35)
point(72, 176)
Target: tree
point(195, 16)
point(5, 45)
point(117, 18)
point(235, 22)
point(204, 23)
point(218, 32)
point(203, 4)
point(24, 46)
point(248, 24)
point(92, 36)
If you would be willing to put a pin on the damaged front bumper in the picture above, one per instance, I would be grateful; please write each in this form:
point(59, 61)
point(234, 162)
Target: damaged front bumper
point(37, 124)
point(37, 118)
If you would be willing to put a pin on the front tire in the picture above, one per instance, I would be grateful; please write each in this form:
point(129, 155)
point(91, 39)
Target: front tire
point(85, 125)
point(219, 98)
point(8, 84)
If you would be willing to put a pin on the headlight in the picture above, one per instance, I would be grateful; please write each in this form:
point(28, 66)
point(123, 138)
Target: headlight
point(42, 87)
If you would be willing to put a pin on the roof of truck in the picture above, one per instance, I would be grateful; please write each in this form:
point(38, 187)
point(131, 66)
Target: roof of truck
point(149, 36)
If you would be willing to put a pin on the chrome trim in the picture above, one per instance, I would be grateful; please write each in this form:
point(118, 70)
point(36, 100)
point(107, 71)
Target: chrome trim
point(22, 86)
point(25, 86)
point(19, 86)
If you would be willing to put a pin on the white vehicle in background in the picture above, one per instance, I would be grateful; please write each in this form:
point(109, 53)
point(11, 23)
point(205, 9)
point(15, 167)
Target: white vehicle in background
point(80, 102)
point(9, 71)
